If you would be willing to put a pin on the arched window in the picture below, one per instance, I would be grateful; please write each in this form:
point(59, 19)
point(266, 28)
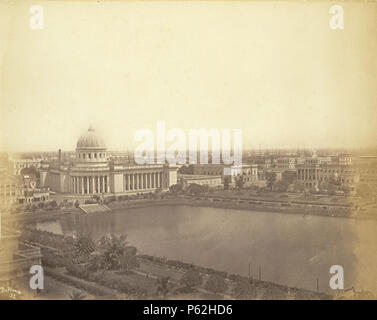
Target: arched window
point(95, 155)
point(83, 155)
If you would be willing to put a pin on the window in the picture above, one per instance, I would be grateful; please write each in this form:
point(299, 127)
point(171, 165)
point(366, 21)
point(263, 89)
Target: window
point(95, 155)
point(83, 155)
point(90, 155)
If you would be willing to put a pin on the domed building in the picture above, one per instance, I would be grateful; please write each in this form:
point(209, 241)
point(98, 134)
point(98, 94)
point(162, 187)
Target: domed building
point(94, 172)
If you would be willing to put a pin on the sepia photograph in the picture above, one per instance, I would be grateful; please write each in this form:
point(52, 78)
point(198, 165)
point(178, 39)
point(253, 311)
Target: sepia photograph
point(188, 150)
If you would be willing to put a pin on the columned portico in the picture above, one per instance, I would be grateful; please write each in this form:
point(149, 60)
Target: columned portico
point(93, 173)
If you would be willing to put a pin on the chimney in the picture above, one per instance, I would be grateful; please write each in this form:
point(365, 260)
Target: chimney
point(60, 157)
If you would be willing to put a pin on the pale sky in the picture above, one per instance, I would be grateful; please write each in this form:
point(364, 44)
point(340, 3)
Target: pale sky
point(276, 70)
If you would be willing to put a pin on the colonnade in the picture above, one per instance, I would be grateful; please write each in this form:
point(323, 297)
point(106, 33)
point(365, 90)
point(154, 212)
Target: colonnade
point(307, 174)
point(143, 181)
point(89, 184)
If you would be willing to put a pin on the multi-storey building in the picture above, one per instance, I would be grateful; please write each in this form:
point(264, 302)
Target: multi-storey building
point(286, 163)
point(18, 164)
point(366, 166)
point(249, 173)
point(313, 174)
point(11, 189)
point(212, 181)
point(16, 189)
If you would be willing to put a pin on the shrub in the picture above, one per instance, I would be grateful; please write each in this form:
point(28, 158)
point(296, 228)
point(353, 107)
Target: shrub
point(53, 260)
point(53, 204)
point(191, 278)
point(244, 290)
point(77, 270)
point(216, 283)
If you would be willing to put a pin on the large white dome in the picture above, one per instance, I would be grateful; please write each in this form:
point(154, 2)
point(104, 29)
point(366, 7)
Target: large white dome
point(90, 140)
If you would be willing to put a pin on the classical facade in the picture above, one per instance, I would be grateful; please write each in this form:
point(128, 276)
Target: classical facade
point(249, 173)
point(204, 180)
point(93, 172)
point(313, 175)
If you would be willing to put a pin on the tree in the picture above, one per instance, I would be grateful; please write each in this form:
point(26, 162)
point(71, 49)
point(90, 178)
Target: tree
point(280, 186)
point(29, 171)
point(244, 290)
point(53, 204)
point(333, 186)
point(289, 176)
point(84, 245)
point(186, 169)
point(239, 182)
point(226, 182)
point(191, 278)
point(116, 253)
point(216, 283)
point(323, 187)
point(270, 179)
point(128, 259)
point(195, 188)
point(299, 186)
point(175, 188)
point(96, 262)
point(162, 286)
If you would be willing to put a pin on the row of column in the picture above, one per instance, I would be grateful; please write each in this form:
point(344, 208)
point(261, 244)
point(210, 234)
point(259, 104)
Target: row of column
point(307, 174)
point(89, 184)
point(141, 181)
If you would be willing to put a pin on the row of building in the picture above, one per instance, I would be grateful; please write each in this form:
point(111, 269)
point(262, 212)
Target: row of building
point(91, 170)
point(21, 189)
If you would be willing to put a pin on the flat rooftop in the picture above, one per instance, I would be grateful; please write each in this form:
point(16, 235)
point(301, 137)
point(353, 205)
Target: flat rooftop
point(197, 176)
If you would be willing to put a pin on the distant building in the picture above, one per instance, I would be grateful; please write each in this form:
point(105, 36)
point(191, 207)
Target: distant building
point(345, 160)
point(18, 164)
point(11, 189)
point(20, 190)
point(366, 166)
point(313, 174)
point(278, 171)
point(91, 172)
point(286, 163)
point(314, 160)
point(249, 173)
point(205, 180)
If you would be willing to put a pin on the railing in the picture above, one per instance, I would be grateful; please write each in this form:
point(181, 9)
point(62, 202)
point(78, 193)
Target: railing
point(10, 266)
point(31, 253)
point(22, 261)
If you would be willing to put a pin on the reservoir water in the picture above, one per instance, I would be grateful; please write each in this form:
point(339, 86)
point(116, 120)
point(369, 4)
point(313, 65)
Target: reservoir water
point(289, 249)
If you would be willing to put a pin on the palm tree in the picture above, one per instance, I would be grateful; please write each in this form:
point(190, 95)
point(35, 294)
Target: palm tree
point(113, 248)
point(84, 244)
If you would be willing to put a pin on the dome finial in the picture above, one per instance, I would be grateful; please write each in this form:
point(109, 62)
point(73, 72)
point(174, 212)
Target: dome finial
point(91, 128)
